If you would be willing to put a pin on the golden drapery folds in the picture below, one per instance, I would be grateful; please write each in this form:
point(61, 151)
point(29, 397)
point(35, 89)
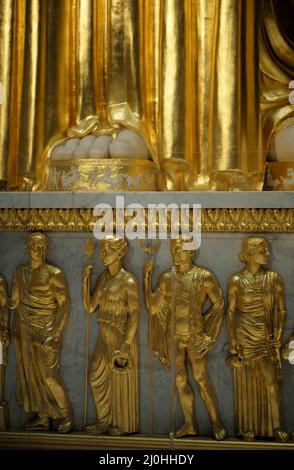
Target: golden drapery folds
point(277, 69)
point(227, 94)
point(184, 73)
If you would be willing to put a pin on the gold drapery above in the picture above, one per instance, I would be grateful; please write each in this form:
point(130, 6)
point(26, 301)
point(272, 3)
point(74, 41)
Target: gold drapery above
point(185, 72)
point(277, 69)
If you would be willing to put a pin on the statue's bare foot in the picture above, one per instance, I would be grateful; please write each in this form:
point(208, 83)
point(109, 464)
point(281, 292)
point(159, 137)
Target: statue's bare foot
point(281, 435)
point(249, 436)
point(39, 423)
point(66, 425)
point(114, 431)
point(218, 431)
point(97, 428)
point(186, 430)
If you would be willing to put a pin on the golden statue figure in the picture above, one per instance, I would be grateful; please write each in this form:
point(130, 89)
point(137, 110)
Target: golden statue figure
point(41, 298)
point(114, 363)
point(194, 73)
point(256, 317)
point(4, 342)
point(195, 331)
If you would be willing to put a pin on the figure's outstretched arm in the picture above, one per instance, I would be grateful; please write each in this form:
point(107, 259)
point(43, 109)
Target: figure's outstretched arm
point(148, 294)
point(213, 317)
point(91, 301)
point(214, 291)
point(133, 305)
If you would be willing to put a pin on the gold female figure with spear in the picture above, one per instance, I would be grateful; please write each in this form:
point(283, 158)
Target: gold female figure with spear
point(113, 370)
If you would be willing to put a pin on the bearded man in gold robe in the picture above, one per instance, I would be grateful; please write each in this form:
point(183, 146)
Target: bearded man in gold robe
point(41, 298)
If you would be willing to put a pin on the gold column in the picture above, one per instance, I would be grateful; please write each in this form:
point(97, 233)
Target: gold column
point(123, 87)
point(227, 111)
point(100, 54)
point(85, 59)
point(33, 96)
point(225, 127)
point(252, 159)
point(16, 84)
point(191, 94)
point(60, 69)
point(203, 13)
point(61, 84)
point(172, 81)
point(150, 21)
point(6, 35)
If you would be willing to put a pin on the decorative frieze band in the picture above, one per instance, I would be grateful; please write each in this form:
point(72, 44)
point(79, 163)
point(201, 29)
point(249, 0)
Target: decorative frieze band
point(212, 220)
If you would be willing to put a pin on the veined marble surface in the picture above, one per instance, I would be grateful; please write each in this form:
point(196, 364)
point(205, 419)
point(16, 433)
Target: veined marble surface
point(218, 252)
point(221, 199)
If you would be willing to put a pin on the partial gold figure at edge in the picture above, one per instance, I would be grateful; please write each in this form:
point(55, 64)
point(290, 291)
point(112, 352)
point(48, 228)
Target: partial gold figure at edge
point(288, 355)
point(256, 318)
point(41, 298)
point(4, 343)
point(195, 331)
point(114, 364)
point(288, 350)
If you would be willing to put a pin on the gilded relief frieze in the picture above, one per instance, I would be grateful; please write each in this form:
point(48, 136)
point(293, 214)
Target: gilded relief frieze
point(212, 220)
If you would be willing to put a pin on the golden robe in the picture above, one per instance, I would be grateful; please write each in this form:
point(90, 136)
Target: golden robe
point(115, 390)
point(257, 397)
point(40, 388)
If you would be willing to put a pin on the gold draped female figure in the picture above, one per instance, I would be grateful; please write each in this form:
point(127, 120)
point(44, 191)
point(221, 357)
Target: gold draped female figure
point(256, 317)
point(114, 363)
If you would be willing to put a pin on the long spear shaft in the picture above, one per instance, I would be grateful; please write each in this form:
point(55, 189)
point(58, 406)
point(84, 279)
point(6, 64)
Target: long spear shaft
point(173, 356)
point(151, 251)
point(89, 249)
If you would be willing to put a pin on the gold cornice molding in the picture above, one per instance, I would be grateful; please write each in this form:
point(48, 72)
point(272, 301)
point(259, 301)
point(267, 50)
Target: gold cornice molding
point(83, 220)
point(83, 441)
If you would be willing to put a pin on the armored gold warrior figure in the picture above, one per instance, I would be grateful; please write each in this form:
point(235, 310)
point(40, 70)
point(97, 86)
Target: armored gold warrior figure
point(41, 298)
point(4, 342)
point(256, 317)
point(178, 301)
point(114, 363)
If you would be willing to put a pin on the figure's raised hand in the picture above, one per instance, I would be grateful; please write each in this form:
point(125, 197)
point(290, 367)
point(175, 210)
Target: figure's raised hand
point(5, 339)
point(233, 347)
point(149, 267)
point(87, 272)
point(123, 356)
point(48, 344)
